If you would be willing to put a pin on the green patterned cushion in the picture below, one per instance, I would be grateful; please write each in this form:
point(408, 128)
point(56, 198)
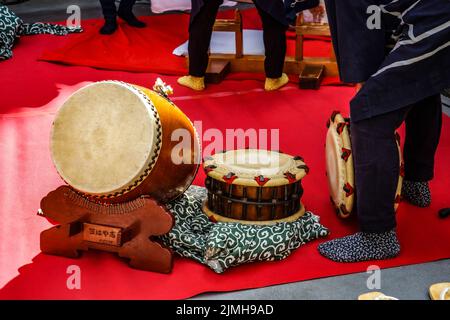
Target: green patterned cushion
point(12, 27)
point(223, 245)
point(9, 29)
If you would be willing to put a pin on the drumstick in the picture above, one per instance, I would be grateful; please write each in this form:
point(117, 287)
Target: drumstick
point(444, 213)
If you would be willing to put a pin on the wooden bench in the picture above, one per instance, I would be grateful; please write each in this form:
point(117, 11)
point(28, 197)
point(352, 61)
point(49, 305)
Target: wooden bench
point(221, 64)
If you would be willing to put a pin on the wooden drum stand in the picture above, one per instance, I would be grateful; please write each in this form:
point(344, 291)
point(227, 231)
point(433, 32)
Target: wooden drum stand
point(127, 229)
point(116, 187)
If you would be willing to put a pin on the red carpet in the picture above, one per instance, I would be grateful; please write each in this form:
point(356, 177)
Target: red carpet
point(150, 49)
point(31, 91)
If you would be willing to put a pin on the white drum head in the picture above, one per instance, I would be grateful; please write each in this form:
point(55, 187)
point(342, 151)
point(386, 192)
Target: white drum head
point(340, 169)
point(252, 167)
point(339, 161)
point(105, 138)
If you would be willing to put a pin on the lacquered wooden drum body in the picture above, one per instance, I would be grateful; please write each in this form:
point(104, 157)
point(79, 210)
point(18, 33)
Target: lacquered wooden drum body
point(254, 192)
point(113, 142)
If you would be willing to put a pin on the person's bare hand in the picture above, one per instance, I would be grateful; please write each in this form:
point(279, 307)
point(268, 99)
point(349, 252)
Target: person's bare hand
point(359, 86)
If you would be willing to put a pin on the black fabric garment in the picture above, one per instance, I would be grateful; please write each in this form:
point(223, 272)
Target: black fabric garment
point(359, 50)
point(375, 156)
point(404, 61)
point(110, 10)
point(423, 129)
point(273, 7)
point(274, 36)
point(200, 32)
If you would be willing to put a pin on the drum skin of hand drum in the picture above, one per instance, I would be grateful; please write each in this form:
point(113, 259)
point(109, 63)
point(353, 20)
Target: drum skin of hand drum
point(253, 186)
point(340, 167)
point(112, 142)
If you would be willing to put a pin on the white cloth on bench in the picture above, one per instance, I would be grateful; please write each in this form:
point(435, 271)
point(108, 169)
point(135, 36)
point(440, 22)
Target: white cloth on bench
point(223, 42)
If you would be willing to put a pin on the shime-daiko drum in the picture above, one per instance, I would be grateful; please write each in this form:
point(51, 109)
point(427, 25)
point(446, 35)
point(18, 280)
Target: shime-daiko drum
point(340, 169)
point(254, 186)
point(112, 142)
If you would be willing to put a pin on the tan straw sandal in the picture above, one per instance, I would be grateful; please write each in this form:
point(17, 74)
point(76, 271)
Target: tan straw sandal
point(375, 296)
point(440, 291)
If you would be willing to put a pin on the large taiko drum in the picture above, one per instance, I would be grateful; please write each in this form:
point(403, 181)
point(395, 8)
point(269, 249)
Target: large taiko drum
point(340, 168)
point(254, 187)
point(112, 142)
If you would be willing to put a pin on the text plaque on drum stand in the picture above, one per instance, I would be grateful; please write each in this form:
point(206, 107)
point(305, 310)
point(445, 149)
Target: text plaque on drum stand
point(128, 229)
point(102, 234)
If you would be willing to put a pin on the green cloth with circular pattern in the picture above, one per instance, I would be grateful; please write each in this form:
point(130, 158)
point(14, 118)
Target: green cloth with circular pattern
point(12, 27)
point(223, 245)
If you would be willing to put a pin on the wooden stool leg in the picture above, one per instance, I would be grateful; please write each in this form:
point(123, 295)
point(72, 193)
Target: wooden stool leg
point(299, 48)
point(239, 35)
point(299, 38)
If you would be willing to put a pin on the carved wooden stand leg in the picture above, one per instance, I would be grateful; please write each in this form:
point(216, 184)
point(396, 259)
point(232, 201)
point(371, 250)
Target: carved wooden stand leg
point(155, 255)
point(124, 228)
point(57, 241)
